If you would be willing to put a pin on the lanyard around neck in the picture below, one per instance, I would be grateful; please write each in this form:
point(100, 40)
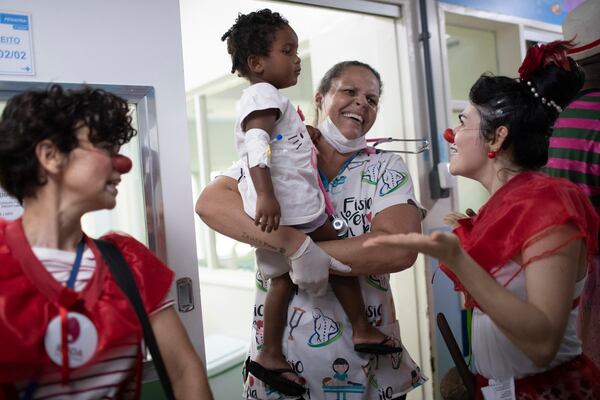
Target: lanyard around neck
point(324, 178)
point(31, 388)
point(76, 265)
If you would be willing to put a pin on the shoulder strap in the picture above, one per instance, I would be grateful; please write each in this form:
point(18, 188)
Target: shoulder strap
point(124, 278)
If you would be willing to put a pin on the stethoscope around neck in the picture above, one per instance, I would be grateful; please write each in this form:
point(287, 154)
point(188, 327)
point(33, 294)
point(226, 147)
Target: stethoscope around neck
point(422, 145)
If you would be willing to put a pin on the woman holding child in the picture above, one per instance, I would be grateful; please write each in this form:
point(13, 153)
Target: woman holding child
point(373, 193)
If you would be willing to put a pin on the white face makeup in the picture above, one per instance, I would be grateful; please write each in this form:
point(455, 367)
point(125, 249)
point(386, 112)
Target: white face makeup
point(468, 153)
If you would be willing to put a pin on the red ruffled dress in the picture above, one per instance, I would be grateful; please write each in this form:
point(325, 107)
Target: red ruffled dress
point(526, 209)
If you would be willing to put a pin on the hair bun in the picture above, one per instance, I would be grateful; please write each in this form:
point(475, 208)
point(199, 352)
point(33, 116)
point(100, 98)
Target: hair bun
point(542, 55)
point(551, 75)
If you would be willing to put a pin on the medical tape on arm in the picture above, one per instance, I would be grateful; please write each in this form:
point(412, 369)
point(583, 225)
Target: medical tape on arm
point(257, 147)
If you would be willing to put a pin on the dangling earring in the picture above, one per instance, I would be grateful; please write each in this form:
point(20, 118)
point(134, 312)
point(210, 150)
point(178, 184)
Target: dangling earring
point(491, 154)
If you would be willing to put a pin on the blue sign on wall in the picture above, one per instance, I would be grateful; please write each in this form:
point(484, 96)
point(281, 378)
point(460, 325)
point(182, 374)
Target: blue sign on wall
point(550, 11)
point(16, 55)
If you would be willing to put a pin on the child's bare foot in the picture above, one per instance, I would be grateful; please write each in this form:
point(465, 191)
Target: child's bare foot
point(274, 370)
point(368, 339)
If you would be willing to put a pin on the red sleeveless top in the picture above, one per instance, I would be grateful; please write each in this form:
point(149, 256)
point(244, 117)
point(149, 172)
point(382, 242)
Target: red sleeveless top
point(524, 208)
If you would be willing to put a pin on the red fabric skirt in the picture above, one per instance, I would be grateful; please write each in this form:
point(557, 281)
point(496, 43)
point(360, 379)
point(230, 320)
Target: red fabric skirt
point(578, 379)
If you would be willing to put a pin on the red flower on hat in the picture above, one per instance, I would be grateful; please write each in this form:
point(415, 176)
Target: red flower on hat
point(542, 55)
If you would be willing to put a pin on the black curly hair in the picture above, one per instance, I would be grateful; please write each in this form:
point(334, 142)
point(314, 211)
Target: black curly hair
point(252, 35)
point(504, 101)
point(55, 114)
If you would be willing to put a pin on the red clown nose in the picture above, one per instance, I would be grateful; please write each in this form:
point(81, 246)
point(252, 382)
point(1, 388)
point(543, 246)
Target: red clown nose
point(449, 135)
point(121, 164)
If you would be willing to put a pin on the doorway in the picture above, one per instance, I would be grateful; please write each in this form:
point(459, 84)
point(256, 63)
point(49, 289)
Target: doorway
point(326, 36)
point(473, 42)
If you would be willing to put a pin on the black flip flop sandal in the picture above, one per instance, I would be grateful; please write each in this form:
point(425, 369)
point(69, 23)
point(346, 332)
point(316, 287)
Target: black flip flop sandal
point(378, 348)
point(272, 377)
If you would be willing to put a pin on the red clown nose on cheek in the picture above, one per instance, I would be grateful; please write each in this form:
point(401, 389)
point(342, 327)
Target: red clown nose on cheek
point(121, 164)
point(449, 135)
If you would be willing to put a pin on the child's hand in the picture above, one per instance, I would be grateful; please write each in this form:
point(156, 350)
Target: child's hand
point(451, 219)
point(470, 213)
point(268, 212)
point(314, 133)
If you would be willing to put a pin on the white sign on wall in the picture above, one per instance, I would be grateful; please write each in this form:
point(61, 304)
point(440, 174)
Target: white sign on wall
point(16, 55)
point(9, 206)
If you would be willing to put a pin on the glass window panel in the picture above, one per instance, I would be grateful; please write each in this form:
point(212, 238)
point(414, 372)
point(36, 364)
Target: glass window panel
point(129, 214)
point(471, 52)
point(9, 206)
point(196, 180)
point(192, 135)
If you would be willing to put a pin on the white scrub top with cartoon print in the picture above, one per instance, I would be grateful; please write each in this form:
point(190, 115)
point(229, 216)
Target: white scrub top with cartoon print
point(317, 340)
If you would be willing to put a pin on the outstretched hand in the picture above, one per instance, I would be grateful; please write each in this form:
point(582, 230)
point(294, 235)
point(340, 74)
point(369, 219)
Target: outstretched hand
point(441, 245)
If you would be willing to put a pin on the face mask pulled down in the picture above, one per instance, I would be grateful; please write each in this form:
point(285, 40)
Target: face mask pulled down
point(338, 141)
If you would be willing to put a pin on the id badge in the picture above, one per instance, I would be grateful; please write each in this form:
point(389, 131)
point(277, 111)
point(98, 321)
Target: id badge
point(499, 390)
point(82, 339)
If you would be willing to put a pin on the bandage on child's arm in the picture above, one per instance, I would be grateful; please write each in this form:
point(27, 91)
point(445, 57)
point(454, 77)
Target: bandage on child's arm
point(259, 126)
point(259, 160)
point(267, 212)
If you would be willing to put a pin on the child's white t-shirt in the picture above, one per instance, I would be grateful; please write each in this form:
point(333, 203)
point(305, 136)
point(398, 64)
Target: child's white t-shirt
point(292, 172)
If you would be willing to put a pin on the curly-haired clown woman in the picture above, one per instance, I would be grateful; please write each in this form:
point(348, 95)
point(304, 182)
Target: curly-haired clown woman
point(66, 329)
